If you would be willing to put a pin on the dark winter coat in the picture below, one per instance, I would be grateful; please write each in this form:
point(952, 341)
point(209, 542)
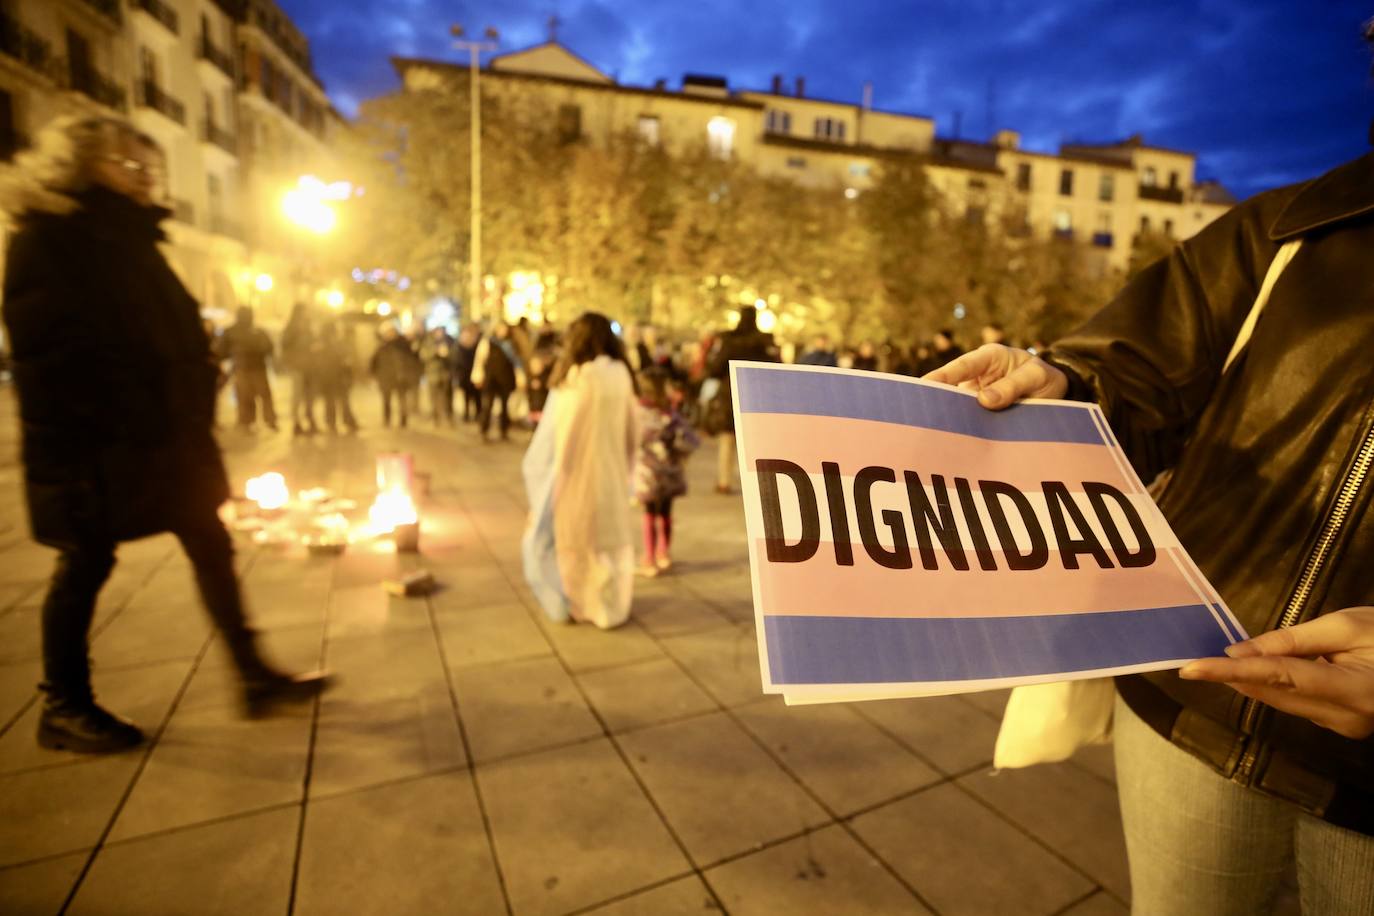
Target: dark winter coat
point(1270, 492)
point(739, 344)
point(115, 377)
point(247, 346)
point(395, 364)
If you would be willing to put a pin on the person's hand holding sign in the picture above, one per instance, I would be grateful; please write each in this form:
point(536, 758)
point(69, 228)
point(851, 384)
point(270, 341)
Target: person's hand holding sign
point(1322, 670)
point(1002, 376)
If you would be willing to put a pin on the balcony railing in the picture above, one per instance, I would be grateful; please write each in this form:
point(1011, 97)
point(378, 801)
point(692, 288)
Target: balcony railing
point(153, 96)
point(219, 57)
point(211, 132)
point(161, 12)
point(1168, 195)
point(107, 8)
point(183, 212)
point(25, 46)
point(85, 79)
point(1064, 234)
point(1102, 239)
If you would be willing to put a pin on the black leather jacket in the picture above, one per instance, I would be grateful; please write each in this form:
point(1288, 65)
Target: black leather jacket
point(1272, 476)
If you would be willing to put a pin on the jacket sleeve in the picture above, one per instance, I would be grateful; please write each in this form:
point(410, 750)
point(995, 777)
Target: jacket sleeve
point(1153, 356)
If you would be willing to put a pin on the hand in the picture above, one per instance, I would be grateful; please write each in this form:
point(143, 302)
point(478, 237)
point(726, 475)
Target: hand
point(1002, 376)
point(1322, 670)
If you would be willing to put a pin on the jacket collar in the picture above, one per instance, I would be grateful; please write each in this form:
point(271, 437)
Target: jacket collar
point(1344, 192)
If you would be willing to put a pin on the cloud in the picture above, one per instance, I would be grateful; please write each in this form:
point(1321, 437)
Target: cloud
point(1265, 91)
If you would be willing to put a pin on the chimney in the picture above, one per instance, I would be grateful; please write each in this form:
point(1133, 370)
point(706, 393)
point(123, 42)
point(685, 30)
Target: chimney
point(868, 96)
point(801, 87)
point(660, 84)
point(777, 84)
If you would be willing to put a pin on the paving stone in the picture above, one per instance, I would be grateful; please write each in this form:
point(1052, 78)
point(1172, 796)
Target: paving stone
point(520, 706)
point(572, 828)
point(1102, 904)
point(684, 897)
point(724, 660)
point(586, 648)
point(40, 889)
point(643, 693)
point(390, 716)
point(164, 621)
point(424, 850)
point(21, 636)
point(992, 702)
point(1098, 759)
point(231, 867)
point(964, 859)
point(18, 688)
point(839, 755)
point(482, 635)
point(212, 763)
point(1069, 810)
point(141, 694)
point(951, 734)
point(820, 872)
point(672, 613)
point(721, 793)
point(60, 809)
point(467, 587)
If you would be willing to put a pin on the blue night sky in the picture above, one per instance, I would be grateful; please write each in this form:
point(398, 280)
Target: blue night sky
point(1264, 91)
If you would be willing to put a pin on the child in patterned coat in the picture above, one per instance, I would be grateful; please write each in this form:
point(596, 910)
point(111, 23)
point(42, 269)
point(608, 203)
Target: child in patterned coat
point(665, 441)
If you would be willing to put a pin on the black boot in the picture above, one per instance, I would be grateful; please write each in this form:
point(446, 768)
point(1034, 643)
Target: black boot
point(266, 689)
point(79, 724)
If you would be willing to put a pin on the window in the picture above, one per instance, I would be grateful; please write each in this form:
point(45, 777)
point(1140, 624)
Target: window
point(1148, 178)
point(1144, 224)
point(720, 137)
point(207, 102)
point(859, 169)
point(1066, 182)
point(1106, 186)
point(1169, 228)
point(215, 189)
point(796, 162)
point(147, 66)
point(1173, 181)
point(1023, 176)
point(648, 129)
point(1063, 224)
point(778, 122)
point(569, 123)
point(977, 184)
point(1102, 236)
point(829, 129)
point(9, 137)
point(975, 214)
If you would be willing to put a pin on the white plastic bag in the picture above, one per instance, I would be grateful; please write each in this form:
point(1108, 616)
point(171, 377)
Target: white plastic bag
point(1046, 723)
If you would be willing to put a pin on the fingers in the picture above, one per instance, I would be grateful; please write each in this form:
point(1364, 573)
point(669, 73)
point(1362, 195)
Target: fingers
point(1335, 632)
point(1334, 716)
point(1334, 696)
point(987, 359)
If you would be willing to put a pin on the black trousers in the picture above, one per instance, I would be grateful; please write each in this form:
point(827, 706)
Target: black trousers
point(472, 401)
point(250, 389)
point(489, 401)
point(401, 396)
point(82, 571)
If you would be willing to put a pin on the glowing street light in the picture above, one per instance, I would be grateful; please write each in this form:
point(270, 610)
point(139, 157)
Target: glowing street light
point(335, 299)
point(304, 205)
point(263, 283)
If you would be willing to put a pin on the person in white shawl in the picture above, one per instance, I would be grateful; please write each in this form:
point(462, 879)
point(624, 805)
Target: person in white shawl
point(578, 547)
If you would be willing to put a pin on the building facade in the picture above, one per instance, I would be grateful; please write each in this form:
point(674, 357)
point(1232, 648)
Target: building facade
point(1103, 195)
point(227, 89)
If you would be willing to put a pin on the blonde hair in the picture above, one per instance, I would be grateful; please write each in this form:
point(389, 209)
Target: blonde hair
point(45, 178)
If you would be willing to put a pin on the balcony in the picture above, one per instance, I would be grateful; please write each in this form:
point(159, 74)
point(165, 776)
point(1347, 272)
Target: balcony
point(160, 12)
point(153, 96)
point(212, 133)
point(85, 79)
point(1063, 234)
point(221, 59)
point(108, 9)
point(1167, 195)
point(26, 47)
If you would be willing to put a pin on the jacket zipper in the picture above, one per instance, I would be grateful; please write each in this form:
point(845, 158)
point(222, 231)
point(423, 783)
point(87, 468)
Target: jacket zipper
point(1297, 602)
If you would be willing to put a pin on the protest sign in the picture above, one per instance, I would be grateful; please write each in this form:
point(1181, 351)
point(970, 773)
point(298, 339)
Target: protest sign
point(904, 541)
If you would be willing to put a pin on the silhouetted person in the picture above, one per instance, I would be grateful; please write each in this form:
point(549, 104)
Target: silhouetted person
point(395, 366)
point(248, 348)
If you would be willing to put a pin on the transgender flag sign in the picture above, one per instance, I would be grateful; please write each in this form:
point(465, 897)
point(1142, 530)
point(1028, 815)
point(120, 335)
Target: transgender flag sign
point(906, 542)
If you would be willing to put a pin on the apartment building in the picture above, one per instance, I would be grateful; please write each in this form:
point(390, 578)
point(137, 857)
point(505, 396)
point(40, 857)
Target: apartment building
point(227, 89)
point(1103, 195)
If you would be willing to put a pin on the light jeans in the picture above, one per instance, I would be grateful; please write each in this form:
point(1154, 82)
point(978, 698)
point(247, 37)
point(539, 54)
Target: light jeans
point(1201, 844)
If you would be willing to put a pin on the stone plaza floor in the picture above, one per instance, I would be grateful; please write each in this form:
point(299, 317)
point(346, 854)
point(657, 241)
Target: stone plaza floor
point(474, 758)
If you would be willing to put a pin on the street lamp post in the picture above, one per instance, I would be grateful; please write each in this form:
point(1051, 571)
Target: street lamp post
point(475, 49)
